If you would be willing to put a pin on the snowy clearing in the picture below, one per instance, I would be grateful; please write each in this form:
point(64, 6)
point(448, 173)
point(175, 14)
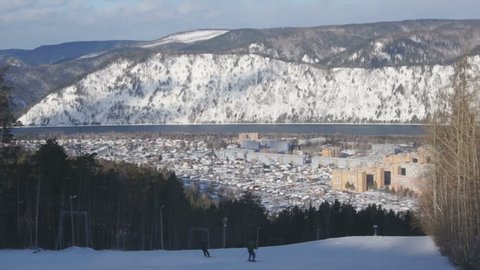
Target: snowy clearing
point(91, 55)
point(339, 253)
point(186, 37)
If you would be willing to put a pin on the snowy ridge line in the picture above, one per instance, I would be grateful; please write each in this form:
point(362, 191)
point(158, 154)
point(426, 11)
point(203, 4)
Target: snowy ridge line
point(91, 55)
point(185, 37)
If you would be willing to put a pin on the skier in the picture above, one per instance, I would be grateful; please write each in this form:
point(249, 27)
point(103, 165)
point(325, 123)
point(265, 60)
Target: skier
point(204, 246)
point(251, 252)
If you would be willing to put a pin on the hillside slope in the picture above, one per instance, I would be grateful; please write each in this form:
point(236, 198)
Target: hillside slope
point(206, 88)
point(349, 253)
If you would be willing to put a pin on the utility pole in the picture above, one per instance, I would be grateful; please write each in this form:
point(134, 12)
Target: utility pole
point(224, 236)
point(36, 210)
point(161, 226)
point(71, 218)
point(258, 232)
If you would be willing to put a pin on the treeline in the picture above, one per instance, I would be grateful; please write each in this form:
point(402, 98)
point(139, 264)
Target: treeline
point(52, 201)
point(337, 220)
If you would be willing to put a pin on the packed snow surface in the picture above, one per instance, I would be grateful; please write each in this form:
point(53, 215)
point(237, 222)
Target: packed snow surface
point(186, 37)
point(355, 253)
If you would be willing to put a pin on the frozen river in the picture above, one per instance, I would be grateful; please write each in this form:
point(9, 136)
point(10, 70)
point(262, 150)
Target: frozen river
point(343, 129)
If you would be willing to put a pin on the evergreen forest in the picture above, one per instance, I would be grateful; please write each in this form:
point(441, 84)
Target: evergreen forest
point(51, 200)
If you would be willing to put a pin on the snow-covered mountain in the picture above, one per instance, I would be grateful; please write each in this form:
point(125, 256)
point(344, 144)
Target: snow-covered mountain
point(206, 88)
point(384, 72)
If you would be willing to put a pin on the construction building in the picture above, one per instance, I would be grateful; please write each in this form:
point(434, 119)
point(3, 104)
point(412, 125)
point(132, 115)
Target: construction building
point(331, 152)
point(399, 171)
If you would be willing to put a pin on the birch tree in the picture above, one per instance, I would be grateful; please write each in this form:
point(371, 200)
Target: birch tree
point(451, 195)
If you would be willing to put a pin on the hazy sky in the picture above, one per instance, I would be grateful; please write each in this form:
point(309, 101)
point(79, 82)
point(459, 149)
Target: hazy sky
point(28, 24)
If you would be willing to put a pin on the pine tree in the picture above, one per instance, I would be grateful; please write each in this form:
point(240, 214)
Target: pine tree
point(6, 116)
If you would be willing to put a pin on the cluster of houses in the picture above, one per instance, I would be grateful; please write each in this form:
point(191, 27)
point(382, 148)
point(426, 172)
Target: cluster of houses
point(275, 169)
point(386, 165)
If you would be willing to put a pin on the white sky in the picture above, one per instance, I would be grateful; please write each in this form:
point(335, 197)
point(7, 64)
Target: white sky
point(30, 23)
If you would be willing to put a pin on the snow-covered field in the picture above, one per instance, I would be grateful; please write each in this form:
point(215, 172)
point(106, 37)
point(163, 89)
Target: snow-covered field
point(341, 253)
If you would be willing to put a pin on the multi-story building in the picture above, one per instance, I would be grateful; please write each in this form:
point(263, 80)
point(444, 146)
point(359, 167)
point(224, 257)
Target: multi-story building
point(248, 136)
point(272, 158)
point(399, 171)
point(332, 152)
point(251, 141)
point(346, 162)
point(250, 144)
point(278, 146)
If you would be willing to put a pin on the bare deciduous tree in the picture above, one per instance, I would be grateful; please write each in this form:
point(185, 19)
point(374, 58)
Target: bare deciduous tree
point(451, 195)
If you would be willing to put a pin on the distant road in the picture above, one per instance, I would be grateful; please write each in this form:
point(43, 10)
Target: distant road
point(329, 129)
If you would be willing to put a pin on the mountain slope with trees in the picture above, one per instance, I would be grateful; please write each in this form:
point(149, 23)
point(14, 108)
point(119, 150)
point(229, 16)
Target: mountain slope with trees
point(363, 52)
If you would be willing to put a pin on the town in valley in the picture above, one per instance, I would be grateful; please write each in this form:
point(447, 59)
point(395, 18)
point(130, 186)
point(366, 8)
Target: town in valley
point(284, 171)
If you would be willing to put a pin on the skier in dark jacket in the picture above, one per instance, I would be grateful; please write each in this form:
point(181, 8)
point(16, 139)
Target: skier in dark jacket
point(204, 246)
point(251, 252)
